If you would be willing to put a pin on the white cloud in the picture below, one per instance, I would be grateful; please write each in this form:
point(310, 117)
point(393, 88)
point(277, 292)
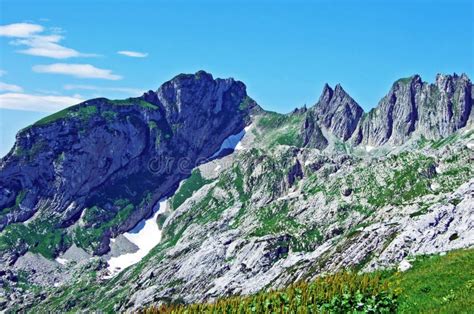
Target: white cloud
point(38, 43)
point(46, 46)
point(4, 87)
point(126, 90)
point(41, 103)
point(2, 72)
point(21, 30)
point(133, 54)
point(77, 70)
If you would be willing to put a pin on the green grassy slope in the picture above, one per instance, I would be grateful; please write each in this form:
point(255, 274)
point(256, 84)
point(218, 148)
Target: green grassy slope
point(435, 284)
point(438, 284)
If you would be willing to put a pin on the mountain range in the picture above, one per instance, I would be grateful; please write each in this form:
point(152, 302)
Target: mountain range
point(243, 199)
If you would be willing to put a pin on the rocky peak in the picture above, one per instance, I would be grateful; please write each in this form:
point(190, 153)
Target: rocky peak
point(447, 82)
point(337, 111)
point(326, 95)
point(407, 81)
point(188, 94)
point(338, 90)
point(416, 108)
point(94, 159)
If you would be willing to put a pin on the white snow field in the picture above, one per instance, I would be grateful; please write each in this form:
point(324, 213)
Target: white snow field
point(146, 236)
point(61, 260)
point(232, 142)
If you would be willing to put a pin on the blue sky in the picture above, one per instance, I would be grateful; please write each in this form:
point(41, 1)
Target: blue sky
point(284, 51)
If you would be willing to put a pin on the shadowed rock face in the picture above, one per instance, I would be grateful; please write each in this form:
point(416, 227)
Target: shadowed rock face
point(395, 116)
point(311, 133)
point(337, 112)
point(99, 151)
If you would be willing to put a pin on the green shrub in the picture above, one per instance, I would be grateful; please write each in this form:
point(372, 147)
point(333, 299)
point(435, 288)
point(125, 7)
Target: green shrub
point(40, 236)
point(342, 292)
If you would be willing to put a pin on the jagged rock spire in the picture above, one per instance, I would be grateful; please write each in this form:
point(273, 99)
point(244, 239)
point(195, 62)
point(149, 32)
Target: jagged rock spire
point(337, 111)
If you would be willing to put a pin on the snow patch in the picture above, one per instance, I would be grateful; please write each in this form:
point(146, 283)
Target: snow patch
point(239, 145)
point(61, 260)
point(289, 196)
point(470, 145)
point(146, 235)
point(368, 148)
point(435, 186)
point(232, 142)
point(404, 265)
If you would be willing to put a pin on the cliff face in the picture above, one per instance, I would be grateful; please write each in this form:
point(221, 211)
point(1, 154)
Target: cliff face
point(337, 112)
point(411, 109)
point(112, 160)
point(416, 108)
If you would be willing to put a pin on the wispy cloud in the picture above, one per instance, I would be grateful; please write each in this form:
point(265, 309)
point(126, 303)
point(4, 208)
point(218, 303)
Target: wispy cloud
point(21, 30)
point(133, 54)
point(46, 46)
point(39, 43)
point(2, 72)
point(47, 91)
point(4, 87)
point(40, 103)
point(125, 90)
point(77, 70)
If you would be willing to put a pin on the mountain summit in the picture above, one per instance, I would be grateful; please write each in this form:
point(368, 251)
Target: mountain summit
point(416, 108)
point(76, 164)
point(338, 112)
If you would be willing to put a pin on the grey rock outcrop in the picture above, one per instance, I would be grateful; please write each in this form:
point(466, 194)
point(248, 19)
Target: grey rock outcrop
point(416, 108)
point(411, 109)
point(337, 112)
point(312, 135)
point(446, 227)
